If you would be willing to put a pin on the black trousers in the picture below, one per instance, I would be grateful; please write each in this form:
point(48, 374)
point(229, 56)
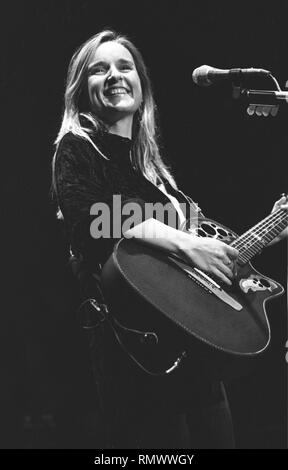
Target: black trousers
point(132, 424)
point(143, 412)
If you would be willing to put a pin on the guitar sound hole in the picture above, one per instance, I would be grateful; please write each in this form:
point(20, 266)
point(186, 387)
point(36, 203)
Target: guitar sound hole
point(222, 232)
point(208, 229)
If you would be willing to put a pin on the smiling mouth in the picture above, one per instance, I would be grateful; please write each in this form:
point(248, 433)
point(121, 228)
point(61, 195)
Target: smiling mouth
point(116, 91)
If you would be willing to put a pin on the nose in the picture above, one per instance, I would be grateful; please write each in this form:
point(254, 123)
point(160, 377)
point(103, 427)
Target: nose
point(114, 75)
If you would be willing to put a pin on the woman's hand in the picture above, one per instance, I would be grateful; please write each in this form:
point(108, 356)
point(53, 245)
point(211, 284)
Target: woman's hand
point(282, 203)
point(210, 255)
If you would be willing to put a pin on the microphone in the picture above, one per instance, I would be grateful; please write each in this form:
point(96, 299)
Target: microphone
point(206, 75)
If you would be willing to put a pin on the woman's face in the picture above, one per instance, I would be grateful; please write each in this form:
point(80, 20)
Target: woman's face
point(114, 86)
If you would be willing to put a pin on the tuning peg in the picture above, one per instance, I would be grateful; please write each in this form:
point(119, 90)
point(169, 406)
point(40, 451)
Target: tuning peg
point(251, 109)
point(262, 109)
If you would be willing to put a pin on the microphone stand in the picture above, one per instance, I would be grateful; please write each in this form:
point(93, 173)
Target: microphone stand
point(263, 102)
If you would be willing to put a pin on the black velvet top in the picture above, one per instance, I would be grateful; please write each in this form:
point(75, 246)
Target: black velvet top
point(84, 177)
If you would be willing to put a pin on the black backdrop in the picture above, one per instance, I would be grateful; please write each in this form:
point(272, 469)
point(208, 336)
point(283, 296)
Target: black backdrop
point(234, 165)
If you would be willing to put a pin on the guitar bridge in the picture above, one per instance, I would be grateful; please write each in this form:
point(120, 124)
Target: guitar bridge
point(207, 283)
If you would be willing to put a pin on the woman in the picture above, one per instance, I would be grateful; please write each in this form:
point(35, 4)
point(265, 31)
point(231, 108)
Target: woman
point(107, 146)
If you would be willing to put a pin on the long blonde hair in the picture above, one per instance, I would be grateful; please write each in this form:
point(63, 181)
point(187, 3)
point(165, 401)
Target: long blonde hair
point(145, 150)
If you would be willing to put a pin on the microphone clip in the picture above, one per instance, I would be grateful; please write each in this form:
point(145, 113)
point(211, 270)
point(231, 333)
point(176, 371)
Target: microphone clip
point(261, 102)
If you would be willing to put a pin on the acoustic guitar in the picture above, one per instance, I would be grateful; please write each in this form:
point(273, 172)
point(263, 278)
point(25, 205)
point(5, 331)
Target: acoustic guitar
point(167, 314)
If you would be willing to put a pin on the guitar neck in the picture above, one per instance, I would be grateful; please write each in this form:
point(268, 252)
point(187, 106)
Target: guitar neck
point(254, 240)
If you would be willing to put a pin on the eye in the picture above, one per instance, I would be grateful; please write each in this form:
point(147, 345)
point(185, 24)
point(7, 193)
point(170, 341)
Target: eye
point(98, 69)
point(125, 67)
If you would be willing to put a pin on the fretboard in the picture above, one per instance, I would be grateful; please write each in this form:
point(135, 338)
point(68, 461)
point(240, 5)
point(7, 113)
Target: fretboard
point(254, 240)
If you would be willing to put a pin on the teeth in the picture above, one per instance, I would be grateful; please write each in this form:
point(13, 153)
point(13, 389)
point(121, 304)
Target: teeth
point(116, 91)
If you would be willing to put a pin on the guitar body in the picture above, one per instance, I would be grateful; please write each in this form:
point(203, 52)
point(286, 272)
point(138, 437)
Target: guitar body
point(177, 312)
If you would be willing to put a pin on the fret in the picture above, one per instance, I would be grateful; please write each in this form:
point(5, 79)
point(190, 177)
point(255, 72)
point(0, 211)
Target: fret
point(254, 240)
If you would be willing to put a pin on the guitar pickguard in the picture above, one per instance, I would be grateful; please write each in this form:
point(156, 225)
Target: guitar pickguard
point(256, 283)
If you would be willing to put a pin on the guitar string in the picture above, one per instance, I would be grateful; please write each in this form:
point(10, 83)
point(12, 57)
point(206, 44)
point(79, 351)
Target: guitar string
point(269, 220)
point(253, 248)
point(268, 223)
point(248, 255)
point(272, 229)
point(272, 226)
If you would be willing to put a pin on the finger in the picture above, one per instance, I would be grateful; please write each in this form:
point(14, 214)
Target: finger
point(280, 205)
point(227, 270)
point(231, 252)
point(280, 201)
point(222, 277)
point(226, 260)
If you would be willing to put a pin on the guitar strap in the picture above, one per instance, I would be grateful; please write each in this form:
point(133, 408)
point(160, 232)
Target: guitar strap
point(93, 309)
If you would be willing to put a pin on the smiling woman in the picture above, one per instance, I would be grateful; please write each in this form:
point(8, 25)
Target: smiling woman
point(114, 86)
point(107, 146)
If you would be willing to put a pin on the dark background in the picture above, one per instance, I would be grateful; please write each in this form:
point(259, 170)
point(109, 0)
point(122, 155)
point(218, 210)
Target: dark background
point(234, 165)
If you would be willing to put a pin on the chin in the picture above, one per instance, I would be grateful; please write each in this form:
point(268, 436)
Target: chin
point(122, 109)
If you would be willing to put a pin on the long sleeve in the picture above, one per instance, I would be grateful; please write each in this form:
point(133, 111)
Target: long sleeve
point(83, 177)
